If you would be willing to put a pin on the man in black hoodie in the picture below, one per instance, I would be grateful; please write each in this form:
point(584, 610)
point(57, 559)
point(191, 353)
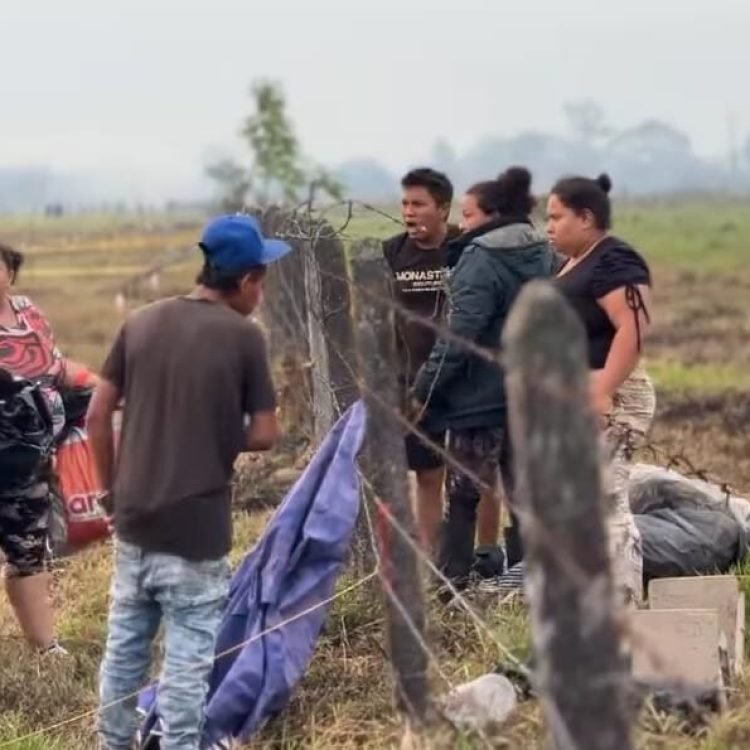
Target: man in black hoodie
point(417, 262)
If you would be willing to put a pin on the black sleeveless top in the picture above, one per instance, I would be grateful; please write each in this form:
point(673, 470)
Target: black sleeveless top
point(612, 265)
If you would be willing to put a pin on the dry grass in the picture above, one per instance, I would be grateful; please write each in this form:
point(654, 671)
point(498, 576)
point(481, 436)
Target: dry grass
point(345, 699)
point(699, 349)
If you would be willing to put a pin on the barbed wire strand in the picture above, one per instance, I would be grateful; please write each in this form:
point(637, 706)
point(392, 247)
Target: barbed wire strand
point(238, 647)
point(388, 590)
point(562, 556)
point(673, 460)
point(440, 449)
point(554, 715)
point(442, 330)
point(625, 438)
point(579, 577)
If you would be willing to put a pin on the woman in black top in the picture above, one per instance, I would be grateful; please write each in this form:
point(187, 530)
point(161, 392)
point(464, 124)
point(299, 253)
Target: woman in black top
point(608, 284)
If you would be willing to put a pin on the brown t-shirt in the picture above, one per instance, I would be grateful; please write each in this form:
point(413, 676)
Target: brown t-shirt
point(190, 372)
point(419, 277)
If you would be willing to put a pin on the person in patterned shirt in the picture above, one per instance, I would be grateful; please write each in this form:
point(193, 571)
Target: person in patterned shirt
point(28, 351)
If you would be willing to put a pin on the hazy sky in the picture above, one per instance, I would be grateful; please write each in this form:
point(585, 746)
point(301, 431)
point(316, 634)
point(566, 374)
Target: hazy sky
point(156, 87)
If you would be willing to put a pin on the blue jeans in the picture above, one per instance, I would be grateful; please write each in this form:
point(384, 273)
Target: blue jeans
point(188, 597)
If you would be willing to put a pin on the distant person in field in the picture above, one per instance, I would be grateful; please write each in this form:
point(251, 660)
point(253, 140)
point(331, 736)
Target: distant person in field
point(417, 260)
point(196, 383)
point(467, 392)
point(608, 284)
point(28, 351)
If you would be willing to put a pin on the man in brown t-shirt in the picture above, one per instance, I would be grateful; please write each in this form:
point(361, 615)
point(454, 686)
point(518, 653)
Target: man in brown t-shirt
point(417, 260)
point(194, 375)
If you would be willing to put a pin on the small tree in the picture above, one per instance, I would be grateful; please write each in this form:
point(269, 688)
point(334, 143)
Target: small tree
point(277, 163)
point(273, 144)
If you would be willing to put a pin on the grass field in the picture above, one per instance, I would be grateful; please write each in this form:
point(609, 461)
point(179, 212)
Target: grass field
point(698, 353)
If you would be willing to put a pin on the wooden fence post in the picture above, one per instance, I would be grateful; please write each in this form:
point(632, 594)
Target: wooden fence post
point(285, 304)
point(284, 312)
point(322, 396)
point(387, 472)
point(337, 320)
point(582, 676)
point(331, 333)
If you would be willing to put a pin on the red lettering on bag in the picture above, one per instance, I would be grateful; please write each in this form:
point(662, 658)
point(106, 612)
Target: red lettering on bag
point(85, 518)
point(85, 505)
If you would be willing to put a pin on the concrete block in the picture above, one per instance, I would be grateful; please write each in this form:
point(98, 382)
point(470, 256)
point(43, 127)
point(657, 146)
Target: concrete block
point(720, 593)
point(676, 644)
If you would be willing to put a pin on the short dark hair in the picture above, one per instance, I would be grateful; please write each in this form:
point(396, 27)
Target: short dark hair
point(226, 281)
point(581, 194)
point(434, 182)
point(13, 259)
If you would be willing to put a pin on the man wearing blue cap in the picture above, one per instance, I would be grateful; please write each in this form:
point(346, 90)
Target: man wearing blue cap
point(194, 376)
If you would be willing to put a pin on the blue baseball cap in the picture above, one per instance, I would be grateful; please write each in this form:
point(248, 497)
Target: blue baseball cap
point(236, 243)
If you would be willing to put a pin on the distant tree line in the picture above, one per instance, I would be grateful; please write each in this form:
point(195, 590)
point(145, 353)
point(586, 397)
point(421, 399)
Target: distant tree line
point(652, 157)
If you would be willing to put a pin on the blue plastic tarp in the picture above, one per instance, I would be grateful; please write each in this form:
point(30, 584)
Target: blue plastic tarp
point(293, 568)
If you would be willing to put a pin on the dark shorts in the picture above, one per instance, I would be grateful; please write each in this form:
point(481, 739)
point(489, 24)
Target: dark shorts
point(24, 519)
point(420, 456)
point(481, 450)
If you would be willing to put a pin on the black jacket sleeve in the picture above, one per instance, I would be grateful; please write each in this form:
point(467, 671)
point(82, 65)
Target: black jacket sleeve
point(473, 296)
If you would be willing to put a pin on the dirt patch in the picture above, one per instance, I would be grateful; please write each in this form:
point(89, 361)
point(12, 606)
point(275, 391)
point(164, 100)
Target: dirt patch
point(701, 318)
point(728, 411)
point(708, 433)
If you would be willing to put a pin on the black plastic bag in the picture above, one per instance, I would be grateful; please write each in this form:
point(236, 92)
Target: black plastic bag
point(685, 531)
point(688, 542)
point(25, 431)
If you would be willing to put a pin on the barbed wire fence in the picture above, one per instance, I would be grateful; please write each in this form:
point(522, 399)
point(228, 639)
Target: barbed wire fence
point(329, 315)
point(368, 369)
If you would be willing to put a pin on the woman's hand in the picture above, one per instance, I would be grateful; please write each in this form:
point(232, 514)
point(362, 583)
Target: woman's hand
point(600, 399)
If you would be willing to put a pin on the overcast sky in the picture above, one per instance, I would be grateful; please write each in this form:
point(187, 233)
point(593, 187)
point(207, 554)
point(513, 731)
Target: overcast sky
point(157, 87)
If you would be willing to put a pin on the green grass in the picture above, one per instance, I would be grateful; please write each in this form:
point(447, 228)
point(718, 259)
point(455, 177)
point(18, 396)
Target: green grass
point(712, 236)
point(678, 377)
point(697, 235)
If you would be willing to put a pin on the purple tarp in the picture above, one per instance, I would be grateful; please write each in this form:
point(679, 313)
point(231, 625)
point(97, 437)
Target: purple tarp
point(293, 567)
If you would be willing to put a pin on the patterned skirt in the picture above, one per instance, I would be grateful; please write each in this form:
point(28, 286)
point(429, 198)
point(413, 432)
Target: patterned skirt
point(632, 414)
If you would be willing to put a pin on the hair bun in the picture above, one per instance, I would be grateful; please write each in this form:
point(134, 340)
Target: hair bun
point(604, 182)
point(513, 192)
point(516, 180)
